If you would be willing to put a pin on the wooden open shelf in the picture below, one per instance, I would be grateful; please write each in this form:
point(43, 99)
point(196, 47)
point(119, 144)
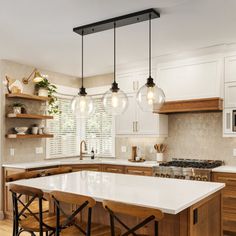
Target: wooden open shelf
point(27, 96)
point(25, 136)
point(29, 116)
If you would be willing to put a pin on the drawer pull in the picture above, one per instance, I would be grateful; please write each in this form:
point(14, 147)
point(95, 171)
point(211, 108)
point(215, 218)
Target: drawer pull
point(113, 169)
point(136, 171)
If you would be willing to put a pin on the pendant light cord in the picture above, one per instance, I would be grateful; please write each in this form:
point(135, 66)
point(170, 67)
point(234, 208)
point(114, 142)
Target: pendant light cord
point(150, 45)
point(82, 59)
point(114, 51)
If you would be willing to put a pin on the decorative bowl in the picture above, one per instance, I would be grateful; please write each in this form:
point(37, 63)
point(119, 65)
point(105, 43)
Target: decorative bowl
point(21, 130)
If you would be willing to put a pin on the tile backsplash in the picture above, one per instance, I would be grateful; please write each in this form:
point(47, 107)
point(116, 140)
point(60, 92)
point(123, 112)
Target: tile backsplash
point(145, 146)
point(199, 135)
point(191, 135)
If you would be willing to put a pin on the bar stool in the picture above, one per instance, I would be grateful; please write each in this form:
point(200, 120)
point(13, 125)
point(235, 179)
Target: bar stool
point(147, 214)
point(72, 226)
point(34, 174)
point(34, 205)
point(40, 222)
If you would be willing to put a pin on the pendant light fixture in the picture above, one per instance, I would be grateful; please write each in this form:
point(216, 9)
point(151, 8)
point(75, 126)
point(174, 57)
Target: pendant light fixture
point(150, 94)
point(115, 100)
point(82, 104)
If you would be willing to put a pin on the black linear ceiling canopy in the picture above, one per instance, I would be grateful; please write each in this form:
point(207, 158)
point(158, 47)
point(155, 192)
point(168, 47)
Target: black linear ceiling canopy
point(120, 21)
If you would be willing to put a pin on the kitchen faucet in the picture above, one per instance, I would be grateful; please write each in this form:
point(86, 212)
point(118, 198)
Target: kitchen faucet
point(85, 149)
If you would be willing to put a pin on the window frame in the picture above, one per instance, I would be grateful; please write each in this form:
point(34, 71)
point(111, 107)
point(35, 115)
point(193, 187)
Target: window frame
point(65, 92)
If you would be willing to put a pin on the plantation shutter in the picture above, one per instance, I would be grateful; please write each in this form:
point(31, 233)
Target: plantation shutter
point(99, 131)
point(64, 127)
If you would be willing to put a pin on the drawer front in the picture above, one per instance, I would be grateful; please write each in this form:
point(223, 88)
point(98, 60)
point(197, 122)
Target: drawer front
point(139, 171)
point(113, 169)
point(227, 178)
point(86, 167)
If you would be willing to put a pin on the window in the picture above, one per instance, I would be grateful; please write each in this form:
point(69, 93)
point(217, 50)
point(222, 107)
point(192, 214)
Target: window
point(99, 131)
point(64, 126)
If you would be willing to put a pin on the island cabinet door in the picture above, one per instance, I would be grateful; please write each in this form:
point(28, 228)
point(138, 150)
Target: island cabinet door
point(205, 217)
point(228, 201)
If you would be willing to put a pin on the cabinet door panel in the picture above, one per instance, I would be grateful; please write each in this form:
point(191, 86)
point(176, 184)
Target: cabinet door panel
point(151, 124)
point(227, 121)
point(189, 80)
point(230, 95)
point(230, 69)
point(126, 82)
point(125, 122)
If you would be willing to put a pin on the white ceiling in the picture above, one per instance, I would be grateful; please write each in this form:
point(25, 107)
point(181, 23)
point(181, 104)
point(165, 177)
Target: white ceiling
point(39, 33)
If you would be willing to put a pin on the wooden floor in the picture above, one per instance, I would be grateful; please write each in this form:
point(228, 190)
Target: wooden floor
point(6, 228)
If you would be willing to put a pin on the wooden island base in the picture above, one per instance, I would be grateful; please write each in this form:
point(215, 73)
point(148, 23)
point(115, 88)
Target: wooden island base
point(201, 219)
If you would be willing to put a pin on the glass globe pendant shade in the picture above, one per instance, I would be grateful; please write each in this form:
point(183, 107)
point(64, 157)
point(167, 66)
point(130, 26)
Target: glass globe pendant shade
point(147, 96)
point(82, 105)
point(115, 101)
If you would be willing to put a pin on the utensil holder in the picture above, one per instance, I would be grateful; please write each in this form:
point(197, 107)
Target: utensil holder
point(159, 157)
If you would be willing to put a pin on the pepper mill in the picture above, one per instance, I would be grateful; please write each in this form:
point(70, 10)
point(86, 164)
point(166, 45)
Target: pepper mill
point(134, 153)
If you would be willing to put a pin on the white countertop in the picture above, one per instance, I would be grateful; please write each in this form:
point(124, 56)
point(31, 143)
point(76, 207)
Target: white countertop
point(169, 195)
point(76, 161)
point(225, 169)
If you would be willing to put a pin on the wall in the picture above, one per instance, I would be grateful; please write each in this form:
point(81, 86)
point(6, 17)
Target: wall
point(145, 145)
point(25, 149)
point(199, 135)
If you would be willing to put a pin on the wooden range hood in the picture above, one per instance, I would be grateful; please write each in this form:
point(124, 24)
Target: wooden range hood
point(192, 105)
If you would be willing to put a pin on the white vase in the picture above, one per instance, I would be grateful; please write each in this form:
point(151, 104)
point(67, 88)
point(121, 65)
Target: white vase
point(17, 110)
point(35, 130)
point(43, 92)
point(159, 157)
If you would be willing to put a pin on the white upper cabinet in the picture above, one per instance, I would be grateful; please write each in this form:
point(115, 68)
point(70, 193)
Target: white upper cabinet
point(191, 79)
point(131, 82)
point(230, 95)
point(230, 69)
point(230, 82)
point(136, 122)
point(125, 123)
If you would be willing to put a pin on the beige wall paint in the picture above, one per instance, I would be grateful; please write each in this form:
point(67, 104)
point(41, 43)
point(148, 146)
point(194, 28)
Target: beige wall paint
point(25, 149)
point(99, 80)
point(199, 135)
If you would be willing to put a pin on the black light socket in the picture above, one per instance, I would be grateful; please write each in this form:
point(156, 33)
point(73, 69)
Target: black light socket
point(150, 82)
point(82, 91)
point(114, 87)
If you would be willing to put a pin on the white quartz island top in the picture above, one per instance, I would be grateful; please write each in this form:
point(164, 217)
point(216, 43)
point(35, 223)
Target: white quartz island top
point(170, 195)
point(225, 169)
point(77, 161)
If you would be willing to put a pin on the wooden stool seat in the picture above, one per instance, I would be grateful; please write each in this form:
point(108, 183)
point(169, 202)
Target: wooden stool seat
point(31, 224)
point(96, 230)
point(145, 214)
point(34, 207)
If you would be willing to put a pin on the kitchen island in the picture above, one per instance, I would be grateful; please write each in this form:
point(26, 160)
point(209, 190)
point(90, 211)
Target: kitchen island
point(191, 208)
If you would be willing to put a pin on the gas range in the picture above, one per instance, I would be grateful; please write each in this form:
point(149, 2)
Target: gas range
point(192, 169)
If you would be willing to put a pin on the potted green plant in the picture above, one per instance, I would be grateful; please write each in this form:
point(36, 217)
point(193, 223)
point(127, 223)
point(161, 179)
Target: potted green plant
point(17, 107)
point(46, 89)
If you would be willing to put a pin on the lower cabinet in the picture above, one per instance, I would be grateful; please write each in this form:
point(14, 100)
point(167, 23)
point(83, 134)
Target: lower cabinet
point(228, 201)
